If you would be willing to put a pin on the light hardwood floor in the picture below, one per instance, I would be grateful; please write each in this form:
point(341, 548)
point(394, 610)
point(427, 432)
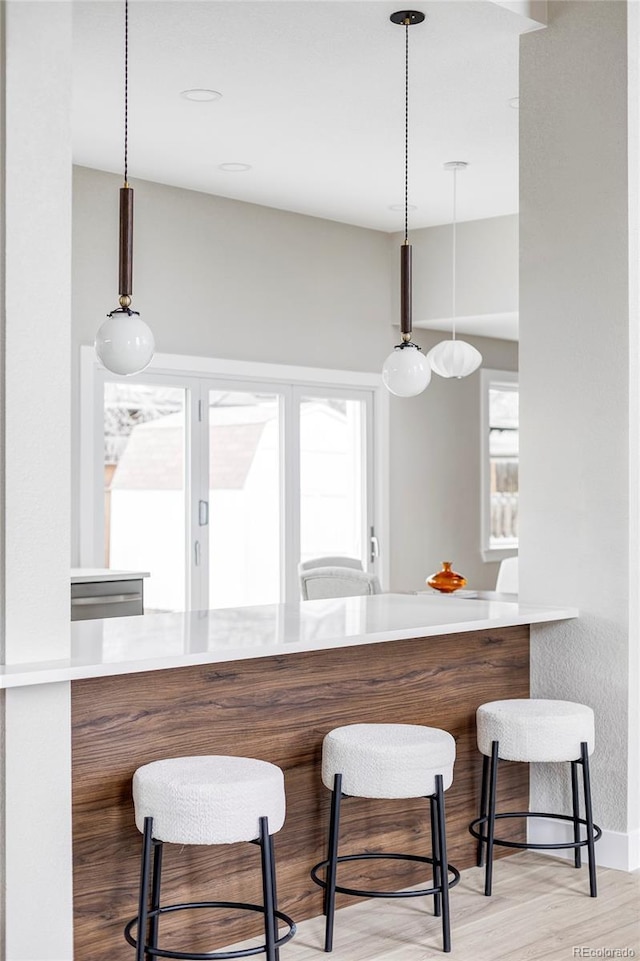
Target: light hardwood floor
point(540, 911)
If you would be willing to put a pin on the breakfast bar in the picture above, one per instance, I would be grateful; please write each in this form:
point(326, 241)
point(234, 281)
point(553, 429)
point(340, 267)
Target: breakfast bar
point(269, 682)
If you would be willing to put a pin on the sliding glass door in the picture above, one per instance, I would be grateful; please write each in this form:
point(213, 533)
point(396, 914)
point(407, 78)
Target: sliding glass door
point(333, 475)
point(218, 488)
point(145, 487)
point(243, 498)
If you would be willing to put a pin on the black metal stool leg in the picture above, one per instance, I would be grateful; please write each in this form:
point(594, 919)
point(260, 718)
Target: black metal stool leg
point(435, 854)
point(584, 751)
point(444, 870)
point(332, 867)
point(266, 856)
point(154, 923)
point(577, 860)
point(491, 823)
point(143, 898)
point(275, 890)
point(483, 806)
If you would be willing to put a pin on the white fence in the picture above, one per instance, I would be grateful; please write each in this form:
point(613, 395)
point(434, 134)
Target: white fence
point(504, 516)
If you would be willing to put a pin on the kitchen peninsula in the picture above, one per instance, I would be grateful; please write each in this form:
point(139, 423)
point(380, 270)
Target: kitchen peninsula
point(270, 682)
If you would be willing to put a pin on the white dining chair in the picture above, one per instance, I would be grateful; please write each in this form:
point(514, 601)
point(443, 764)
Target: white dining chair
point(507, 581)
point(321, 582)
point(332, 561)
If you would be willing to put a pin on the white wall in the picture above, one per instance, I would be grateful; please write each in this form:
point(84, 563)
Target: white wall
point(486, 268)
point(579, 403)
point(435, 446)
point(215, 277)
point(220, 278)
point(435, 474)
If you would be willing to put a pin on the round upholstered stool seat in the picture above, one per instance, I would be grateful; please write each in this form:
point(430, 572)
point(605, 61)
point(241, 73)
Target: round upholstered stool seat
point(209, 800)
point(388, 760)
point(213, 799)
point(529, 729)
point(535, 730)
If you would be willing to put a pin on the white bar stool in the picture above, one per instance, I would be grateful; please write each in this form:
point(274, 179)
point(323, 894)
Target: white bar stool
point(388, 761)
point(534, 730)
point(206, 800)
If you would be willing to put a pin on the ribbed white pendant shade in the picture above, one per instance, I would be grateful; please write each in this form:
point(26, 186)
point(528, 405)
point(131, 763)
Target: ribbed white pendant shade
point(454, 358)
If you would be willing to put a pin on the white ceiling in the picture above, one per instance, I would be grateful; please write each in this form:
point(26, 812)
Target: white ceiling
point(312, 98)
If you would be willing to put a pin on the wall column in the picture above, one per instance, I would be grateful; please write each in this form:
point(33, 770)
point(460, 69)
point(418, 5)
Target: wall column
point(35, 802)
point(578, 386)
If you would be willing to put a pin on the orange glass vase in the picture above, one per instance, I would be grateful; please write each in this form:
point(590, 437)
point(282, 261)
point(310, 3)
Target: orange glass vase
point(446, 581)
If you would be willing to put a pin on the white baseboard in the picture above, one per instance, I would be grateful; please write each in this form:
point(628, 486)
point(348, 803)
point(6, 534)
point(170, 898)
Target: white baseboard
point(613, 850)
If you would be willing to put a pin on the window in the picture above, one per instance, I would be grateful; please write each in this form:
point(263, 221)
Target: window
point(499, 407)
point(218, 480)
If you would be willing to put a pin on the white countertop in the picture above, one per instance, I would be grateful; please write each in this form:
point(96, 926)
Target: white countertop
point(89, 575)
point(128, 645)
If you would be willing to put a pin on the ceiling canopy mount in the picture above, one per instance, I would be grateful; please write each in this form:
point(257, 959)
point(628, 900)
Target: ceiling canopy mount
point(407, 17)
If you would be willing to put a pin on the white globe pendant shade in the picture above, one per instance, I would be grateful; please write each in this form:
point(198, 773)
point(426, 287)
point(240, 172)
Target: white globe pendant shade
point(124, 343)
point(454, 358)
point(406, 371)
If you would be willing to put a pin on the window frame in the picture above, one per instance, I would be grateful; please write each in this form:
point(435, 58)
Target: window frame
point(296, 380)
point(504, 380)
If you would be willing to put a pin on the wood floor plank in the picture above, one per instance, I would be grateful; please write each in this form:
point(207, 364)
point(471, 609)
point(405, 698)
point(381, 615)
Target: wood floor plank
point(532, 919)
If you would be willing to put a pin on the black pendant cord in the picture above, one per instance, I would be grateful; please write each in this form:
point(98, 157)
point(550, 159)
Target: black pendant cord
point(405, 250)
point(125, 279)
point(126, 89)
point(406, 132)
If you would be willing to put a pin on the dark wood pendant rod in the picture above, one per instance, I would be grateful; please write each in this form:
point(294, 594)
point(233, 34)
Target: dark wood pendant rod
point(405, 290)
point(125, 287)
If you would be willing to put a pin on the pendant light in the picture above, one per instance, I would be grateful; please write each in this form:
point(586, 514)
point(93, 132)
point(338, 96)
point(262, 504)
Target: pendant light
point(124, 343)
point(406, 371)
point(454, 358)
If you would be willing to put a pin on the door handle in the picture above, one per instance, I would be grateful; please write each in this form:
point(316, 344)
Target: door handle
point(196, 553)
point(374, 546)
point(203, 513)
point(104, 599)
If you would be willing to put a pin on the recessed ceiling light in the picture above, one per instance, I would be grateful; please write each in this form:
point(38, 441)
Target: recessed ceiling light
point(514, 102)
point(234, 168)
point(401, 207)
point(200, 95)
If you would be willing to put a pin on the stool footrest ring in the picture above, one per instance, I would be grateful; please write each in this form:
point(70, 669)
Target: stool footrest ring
point(383, 894)
point(210, 955)
point(528, 846)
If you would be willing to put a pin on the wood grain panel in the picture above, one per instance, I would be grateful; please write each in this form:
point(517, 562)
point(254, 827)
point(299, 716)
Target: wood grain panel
point(278, 709)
